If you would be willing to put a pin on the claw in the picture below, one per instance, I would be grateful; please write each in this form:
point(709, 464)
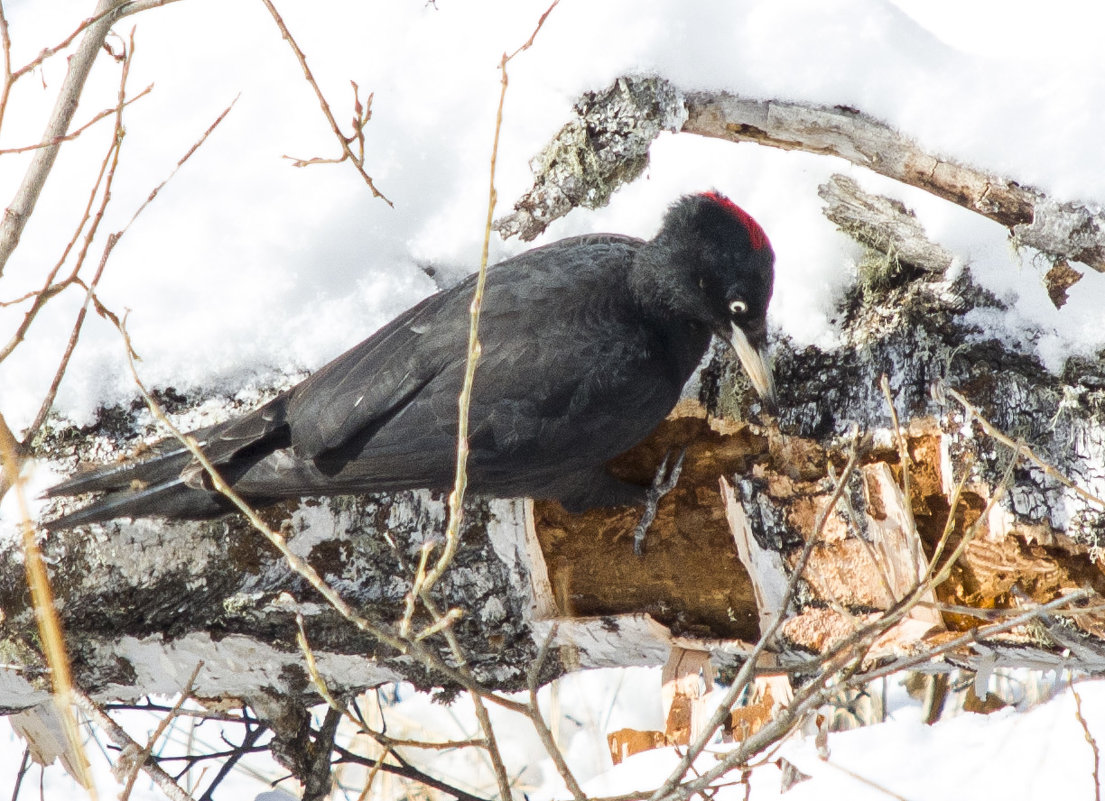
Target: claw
point(663, 483)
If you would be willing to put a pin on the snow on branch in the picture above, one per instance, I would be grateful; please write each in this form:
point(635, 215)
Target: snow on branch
point(606, 145)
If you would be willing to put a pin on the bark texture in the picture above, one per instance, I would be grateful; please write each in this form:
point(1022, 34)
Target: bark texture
point(1067, 231)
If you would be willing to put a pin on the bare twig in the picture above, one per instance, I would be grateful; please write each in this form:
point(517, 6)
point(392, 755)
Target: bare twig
point(460, 483)
point(407, 771)
point(974, 635)
point(69, 137)
point(162, 724)
point(120, 737)
point(362, 116)
point(1089, 739)
point(1019, 447)
point(42, 598)
point(543, 731)
point(254, 731)
point(8, 78)
point(25, 764)
point(490, 741)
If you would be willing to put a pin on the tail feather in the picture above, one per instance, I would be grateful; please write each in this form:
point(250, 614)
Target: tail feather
point(158, 485)
point(173, 499)
point(156, 470)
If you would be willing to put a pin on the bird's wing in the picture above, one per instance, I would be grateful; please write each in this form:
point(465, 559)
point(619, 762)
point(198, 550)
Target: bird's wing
point(568, 372)
point(412, 366)
point(368, 384)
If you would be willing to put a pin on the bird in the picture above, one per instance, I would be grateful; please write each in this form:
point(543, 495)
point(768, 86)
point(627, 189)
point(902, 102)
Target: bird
point(586, 344)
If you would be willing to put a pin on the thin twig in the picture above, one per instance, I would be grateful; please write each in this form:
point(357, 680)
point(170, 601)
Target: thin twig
point(407, 771)
point(120, 737)
point(69, 137)
point(25, 764)
point(974, 636)
point(490, 741)
point(542, 728)
point(46, 615)
point(6, 88)
point(49, 52)
point(249, 740)
point(1019, 447)
point(1089, 739)
point(464, 402)
point(162, 724)
point(347, 152)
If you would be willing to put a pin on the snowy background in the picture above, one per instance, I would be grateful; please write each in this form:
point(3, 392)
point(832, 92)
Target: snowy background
point(246, 268)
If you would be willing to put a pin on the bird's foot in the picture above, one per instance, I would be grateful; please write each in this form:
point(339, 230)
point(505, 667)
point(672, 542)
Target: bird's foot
point(663, 483)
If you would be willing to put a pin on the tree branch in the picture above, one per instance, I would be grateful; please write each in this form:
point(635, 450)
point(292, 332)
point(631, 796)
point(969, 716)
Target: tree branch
point(571, 174)
point(80, 64)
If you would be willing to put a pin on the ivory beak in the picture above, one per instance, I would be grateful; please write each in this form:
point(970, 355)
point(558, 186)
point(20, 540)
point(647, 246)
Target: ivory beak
point(755, 363)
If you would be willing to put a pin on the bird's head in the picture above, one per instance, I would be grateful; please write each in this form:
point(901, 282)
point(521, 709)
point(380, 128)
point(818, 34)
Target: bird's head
point(711, 262)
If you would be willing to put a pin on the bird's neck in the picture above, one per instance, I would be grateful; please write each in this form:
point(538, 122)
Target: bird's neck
point(656, 286)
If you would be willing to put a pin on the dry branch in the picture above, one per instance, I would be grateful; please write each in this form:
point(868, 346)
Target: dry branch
point(625, 118)
point(361, 118)
point(1072, 231)
point(95, 31)
point(883, 224)
point(131, 750)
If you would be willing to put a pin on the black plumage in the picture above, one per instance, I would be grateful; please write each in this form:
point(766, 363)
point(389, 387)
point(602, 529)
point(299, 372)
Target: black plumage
point(586, 345)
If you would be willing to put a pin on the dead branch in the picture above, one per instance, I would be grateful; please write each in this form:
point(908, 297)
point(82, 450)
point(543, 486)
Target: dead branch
point(362, 113)
point(1090, 740)
point(131, 749)
point(883, 224)
point(1068, 230)
point(80, 64)
point(147, 749)
point(408, 771)
point(566, 177)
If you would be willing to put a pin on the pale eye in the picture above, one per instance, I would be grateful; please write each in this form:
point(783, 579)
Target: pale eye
point(738, 307)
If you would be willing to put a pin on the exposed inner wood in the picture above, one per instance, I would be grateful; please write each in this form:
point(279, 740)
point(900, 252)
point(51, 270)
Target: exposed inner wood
point(692, 580)
point(689, 577)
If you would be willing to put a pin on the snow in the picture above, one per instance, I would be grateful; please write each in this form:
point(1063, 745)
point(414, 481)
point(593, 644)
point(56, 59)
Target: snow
point(246, 268)
point(1032, 750)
